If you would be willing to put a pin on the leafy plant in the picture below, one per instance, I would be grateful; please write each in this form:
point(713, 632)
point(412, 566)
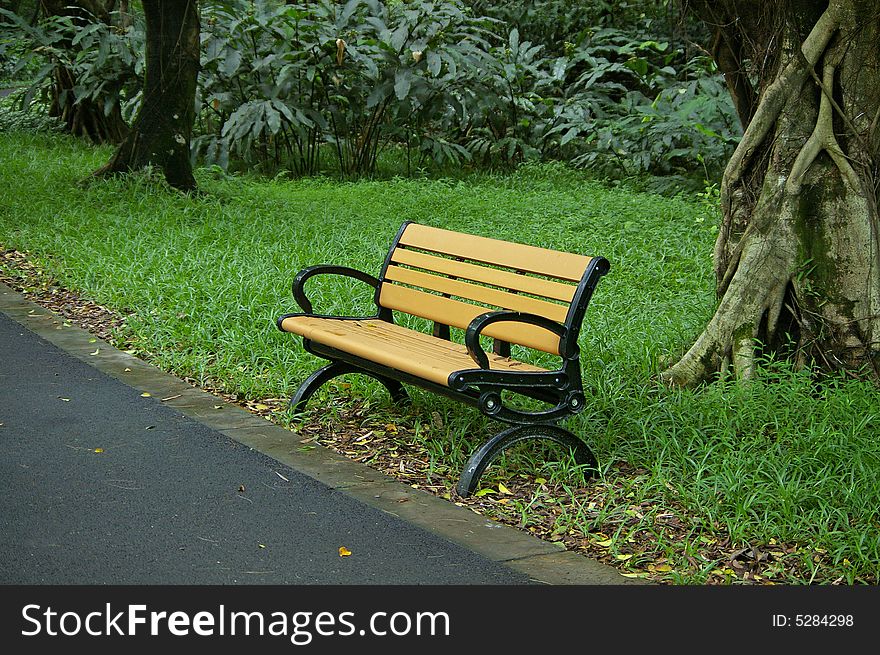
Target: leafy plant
point(630, 112)
point(556, 22)
point(282, 79)
point(14, 119)
point(516, 94)
point(102, 61)
point(307, 87)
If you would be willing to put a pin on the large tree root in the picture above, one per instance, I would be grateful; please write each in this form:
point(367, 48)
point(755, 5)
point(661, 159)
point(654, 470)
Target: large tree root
point(760, 271)
point(802, 262)
point(747, 312)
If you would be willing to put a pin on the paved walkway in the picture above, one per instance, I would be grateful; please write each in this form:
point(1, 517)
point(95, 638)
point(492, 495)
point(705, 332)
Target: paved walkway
point(106, 485)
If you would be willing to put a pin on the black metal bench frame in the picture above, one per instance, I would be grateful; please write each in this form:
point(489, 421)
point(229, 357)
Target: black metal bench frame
point(481, 387)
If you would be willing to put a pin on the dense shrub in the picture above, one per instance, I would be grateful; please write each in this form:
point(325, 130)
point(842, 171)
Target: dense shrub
point(14, 119)
point(280, 80)
point(105, 60)
point(319, 86)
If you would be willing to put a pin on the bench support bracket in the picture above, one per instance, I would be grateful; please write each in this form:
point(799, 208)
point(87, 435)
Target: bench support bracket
point(323, 375)
point(484, 455)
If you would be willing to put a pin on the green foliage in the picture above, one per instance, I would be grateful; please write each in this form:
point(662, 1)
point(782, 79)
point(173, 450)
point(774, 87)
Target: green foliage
point(325, 86)
point(557, 22)
point(12, 52)
point(279, 80)
point(629, 110)
point(14, 119)
point(104, 61)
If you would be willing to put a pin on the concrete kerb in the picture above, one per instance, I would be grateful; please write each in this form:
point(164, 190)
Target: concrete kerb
point(541, 560)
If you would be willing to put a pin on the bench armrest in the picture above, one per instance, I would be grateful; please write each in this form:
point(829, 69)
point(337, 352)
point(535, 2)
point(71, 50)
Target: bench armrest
point(321, 269)
point(476, 327)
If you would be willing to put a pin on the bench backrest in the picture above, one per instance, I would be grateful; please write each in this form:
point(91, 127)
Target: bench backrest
point(451, 278)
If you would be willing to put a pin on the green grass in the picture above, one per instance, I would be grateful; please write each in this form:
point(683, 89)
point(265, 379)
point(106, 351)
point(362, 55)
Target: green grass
point(202, 280)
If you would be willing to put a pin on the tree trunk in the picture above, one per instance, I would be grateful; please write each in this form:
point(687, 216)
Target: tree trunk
point(797, 259)
point(162, 131)
point(86, 118)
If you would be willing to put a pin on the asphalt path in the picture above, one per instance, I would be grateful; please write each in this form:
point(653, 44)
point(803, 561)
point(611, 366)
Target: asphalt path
point(102, 485)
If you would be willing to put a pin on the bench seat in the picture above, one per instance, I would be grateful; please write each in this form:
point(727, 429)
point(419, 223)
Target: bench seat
point(418, 354)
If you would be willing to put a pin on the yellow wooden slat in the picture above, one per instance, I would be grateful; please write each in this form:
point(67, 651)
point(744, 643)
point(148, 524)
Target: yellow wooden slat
point(396, 347)
point(517, 256)
point(459, 314)
point(493, 276)
point(485, 295)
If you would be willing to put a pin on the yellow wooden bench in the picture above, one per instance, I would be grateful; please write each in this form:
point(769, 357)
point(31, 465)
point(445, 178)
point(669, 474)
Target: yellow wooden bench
point(511, 292)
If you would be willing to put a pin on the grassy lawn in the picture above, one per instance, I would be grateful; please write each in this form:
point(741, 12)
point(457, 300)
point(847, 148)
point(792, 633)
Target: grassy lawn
point(772, 482)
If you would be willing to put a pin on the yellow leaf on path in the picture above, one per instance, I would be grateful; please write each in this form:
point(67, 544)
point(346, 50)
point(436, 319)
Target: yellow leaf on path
point(99, 450)
point(504, 489)
point(344, 552)
point(97, 350)
point(146, 395)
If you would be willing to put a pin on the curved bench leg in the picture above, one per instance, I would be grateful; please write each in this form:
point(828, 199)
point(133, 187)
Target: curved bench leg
point(323, 375)
point(484, 455)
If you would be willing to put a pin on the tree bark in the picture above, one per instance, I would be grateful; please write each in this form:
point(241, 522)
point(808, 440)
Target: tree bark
point(162, 130)
point(797, 258)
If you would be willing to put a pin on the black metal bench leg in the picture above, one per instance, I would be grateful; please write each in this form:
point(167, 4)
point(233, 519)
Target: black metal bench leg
point(484, 455)
point(323, 375)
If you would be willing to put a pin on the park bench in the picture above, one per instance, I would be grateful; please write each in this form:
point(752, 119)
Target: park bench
point(488, 288)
